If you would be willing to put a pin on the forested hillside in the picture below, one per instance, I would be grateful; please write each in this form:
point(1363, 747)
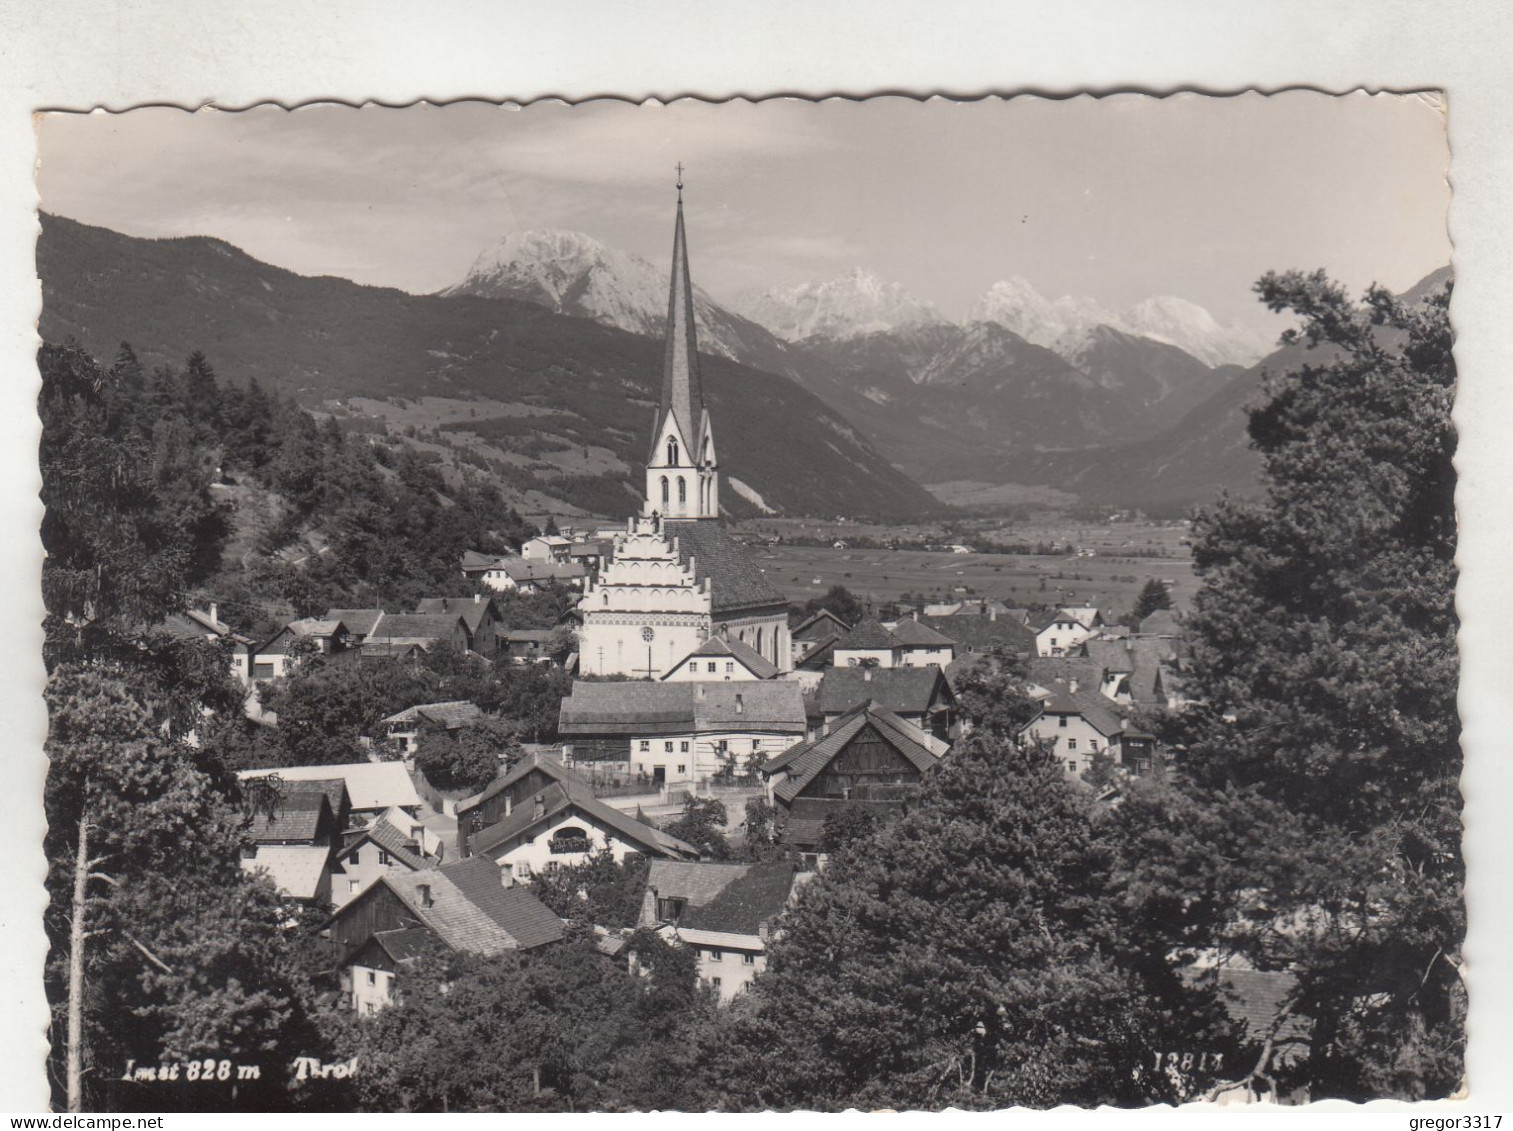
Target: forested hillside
point(240, 492)
point(590, 388)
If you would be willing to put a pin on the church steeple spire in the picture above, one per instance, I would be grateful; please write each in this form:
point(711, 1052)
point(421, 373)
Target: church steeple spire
point(681, 440)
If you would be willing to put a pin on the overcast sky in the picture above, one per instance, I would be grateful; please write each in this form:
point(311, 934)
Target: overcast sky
point(1117, 198)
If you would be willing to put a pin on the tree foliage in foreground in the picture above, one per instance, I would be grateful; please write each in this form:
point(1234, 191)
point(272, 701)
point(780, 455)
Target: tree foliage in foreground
point(1327, 736)
point(961, 955)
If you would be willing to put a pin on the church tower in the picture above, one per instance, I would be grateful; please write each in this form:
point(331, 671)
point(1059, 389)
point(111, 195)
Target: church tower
point(682, 476)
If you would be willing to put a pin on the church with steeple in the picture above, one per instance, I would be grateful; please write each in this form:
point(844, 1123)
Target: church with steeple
point(677, 577)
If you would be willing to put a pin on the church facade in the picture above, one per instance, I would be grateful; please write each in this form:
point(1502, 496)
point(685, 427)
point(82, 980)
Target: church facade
point(677, 576)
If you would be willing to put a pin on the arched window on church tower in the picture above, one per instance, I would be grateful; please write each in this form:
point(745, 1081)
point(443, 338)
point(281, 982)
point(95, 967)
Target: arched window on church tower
point(682, 493)
point(664, 492)
point(759, 643)
point(672, 451)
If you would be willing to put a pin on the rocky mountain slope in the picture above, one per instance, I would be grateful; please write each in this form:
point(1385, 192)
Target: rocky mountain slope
point(562, 404)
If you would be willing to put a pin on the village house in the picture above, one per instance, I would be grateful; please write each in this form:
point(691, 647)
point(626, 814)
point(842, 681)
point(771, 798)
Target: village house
point(497, 800)
point(681, 732)
point(313, 636)
point(973, 634)
point(592, 554)
point(868, 757)
point(1162, 622)
point(721, 659)
point(368, 854)
point(419, 630)
point(205, 624)
point(906, 644)
point(480, 618)
point(1083, 724)
point(467, 906)
point(372, 787)
point(561, 825)
point(723, 912)
point(1065, 629)
point(533, 575)
point(404, 727)
point(546, 548)
point(528, 645)
point(922, 697)
point(292, 841)
point(359, 623)
point(822, 626)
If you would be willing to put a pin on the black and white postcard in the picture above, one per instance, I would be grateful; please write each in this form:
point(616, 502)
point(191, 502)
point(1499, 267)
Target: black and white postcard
point(886, 603)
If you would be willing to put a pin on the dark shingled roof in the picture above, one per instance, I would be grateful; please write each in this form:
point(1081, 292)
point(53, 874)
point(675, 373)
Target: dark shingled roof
point(1097, 710)
point(821, 625)
point(1162, 622)
point(804, 763)
point(913, 633)
point(335, 790)
point(551, 767)
point(867, 633)
point(451, 714)
point(736, 581)
point(297, 818)
point(746, 903)
point(819, 656)
point(1253, 998)
point(760, 665)
point(392, 841)
point(471, 611)
point(697, 706)
point(359, 622)
point(471, 909)
point(405, 943)
point(473, 560)
point(908, 691)
point(561, 796)
point(696, 882)
point(977, 633)
point(417, 626)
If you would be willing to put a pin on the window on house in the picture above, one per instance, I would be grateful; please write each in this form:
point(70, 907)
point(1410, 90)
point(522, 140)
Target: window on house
point(756, 744)
point(1061, 720)
point(383, 858)
point(523, 870)
point(669, 909)
point(372, 1008)
point(682, 769)
point(1071, 744)
point(646, 746)
point(683, 748)
point(667, 746)
point(1092, 744)
point(355, 857)
point(716, 955)
point(713, 666)
point(353, 885)
point(715, 982)
point(730, 665)
point(1053, 642)
point(748, 959)
point(1071, 766)
point(372, 978)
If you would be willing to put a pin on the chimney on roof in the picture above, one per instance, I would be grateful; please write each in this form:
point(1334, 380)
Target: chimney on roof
point(993, 613)
point(425, 896)
point(540, 807)
point(215, 619)
point(477, 598)
point(740, 704)
point(1072, 686)
point(867, 675)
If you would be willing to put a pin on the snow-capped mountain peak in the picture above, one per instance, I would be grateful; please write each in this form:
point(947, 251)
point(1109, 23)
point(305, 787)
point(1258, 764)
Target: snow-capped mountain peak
point(573, 273)
point(1065, 324)
point(854, 305)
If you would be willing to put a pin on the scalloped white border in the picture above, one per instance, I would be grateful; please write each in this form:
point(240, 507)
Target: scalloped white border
point(77, 54)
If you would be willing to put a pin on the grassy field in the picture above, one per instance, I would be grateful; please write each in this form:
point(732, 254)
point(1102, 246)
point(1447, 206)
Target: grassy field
point(1109, 579)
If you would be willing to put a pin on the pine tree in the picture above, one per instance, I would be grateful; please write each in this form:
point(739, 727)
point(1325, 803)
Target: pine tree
point(1326, 668)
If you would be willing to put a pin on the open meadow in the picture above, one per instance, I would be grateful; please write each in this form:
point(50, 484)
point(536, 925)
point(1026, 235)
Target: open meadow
point(1090, 570)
